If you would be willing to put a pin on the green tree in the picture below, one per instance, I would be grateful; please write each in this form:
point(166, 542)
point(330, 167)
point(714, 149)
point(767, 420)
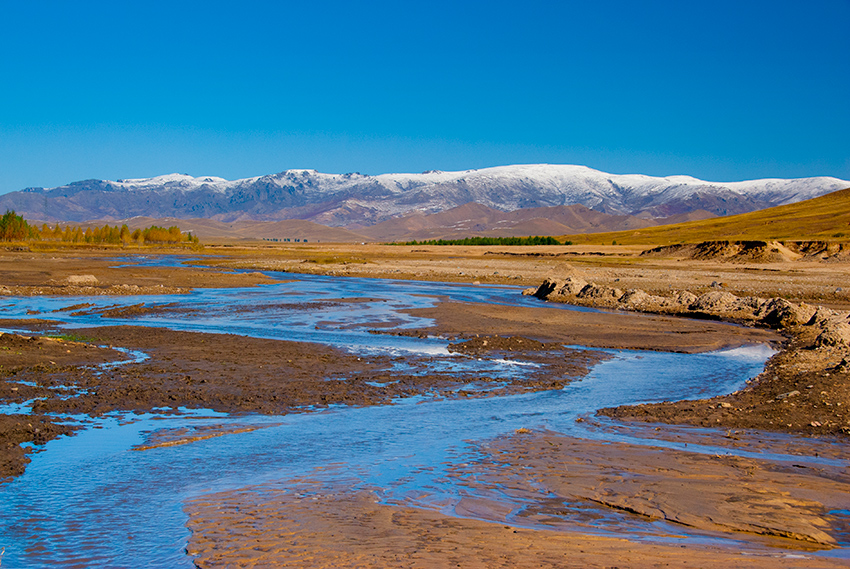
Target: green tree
point(13, 227)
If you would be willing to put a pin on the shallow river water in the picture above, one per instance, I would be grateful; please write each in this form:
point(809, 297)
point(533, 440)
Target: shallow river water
point(88, 500)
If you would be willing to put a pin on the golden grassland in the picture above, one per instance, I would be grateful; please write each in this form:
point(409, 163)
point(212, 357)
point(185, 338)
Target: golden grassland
point(826, 218)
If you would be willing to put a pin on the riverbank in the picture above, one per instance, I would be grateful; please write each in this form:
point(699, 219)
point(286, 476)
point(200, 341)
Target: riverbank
point(18, 355)
point(554, 485)
point(823, 282)
point(805, 387)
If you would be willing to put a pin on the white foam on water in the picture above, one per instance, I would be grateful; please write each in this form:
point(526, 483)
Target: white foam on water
point(749, 352)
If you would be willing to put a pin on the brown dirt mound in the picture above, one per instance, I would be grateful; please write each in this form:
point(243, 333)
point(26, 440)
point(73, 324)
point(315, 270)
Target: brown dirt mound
point(728, 251)
point(755, 251)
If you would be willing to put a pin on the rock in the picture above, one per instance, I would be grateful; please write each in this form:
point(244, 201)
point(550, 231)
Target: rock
point(821, 316)
point(750, 302)
point(82, 280)
point(782, 396)
point(781, 313)
point(546, 288)
point(683, 297)
point(843, 366)
point(639, 299)
point(635, 297)
point(569, 286)
point(834, 334)
point(598, 292)
point(715, 302)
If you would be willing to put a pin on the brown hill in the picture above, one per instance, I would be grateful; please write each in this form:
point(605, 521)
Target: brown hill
point(826, 218)
point(473, 219)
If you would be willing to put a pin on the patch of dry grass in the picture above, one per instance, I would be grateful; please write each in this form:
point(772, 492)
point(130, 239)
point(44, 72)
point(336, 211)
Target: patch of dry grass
point(826, 218)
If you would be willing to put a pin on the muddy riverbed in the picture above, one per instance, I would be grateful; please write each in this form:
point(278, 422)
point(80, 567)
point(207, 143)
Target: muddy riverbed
point(442, 414)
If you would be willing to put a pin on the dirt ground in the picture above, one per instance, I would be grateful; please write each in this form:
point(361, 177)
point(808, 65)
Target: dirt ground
point(92, 273)
point(340, 528)
point(333, 527)
point(824, 283)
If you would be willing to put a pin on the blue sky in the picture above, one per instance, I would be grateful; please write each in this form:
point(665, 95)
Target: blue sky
point(722, 90)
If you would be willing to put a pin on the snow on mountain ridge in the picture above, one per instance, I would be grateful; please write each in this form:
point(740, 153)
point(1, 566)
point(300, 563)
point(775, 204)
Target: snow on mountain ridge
point(363, 200)
point(564, 179)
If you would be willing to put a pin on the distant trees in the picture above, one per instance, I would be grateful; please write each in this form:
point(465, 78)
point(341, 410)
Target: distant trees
point(13, 227)
point(492, 241)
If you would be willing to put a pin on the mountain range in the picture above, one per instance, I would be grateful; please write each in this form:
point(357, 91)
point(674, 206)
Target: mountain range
point(555, 199)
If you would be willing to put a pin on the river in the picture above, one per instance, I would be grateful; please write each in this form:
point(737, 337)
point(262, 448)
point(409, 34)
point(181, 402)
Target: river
point(88, 500)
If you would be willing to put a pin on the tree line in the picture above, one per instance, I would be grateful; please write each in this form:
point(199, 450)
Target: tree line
point(13, 227)
point(492, 241)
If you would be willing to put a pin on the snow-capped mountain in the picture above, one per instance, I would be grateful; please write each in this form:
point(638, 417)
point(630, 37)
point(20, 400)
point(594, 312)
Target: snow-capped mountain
point(356, 200)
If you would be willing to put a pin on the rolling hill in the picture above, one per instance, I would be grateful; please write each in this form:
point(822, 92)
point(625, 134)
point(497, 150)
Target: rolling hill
point(825, 218)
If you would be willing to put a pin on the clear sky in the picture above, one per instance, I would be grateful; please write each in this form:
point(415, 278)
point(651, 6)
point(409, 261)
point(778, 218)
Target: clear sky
point(721, 90)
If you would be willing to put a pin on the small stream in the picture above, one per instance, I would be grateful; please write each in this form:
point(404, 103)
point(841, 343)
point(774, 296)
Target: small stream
point(88, 500)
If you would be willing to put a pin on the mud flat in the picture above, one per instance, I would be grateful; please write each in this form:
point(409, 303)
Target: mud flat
point(329, 526)
point(593, 329)
point(792, 500)
point(43, 355)
point(89, 273)
point(226, 373)
point(770, 506)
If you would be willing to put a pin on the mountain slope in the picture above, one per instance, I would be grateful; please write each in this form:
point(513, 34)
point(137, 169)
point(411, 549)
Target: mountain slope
point(475, 219)
point(210, 230)
point(355, 200)
point(824, 218)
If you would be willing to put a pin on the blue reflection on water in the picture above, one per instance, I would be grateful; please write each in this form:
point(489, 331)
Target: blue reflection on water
point(90, 499)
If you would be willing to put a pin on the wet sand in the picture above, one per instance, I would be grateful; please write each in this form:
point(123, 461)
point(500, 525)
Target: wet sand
point(621, 330)
point(710, 492)
point(536, 500)
point(311, 525)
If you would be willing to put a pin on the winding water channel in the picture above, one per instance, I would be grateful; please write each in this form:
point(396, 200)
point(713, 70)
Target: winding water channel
point(87, 500)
